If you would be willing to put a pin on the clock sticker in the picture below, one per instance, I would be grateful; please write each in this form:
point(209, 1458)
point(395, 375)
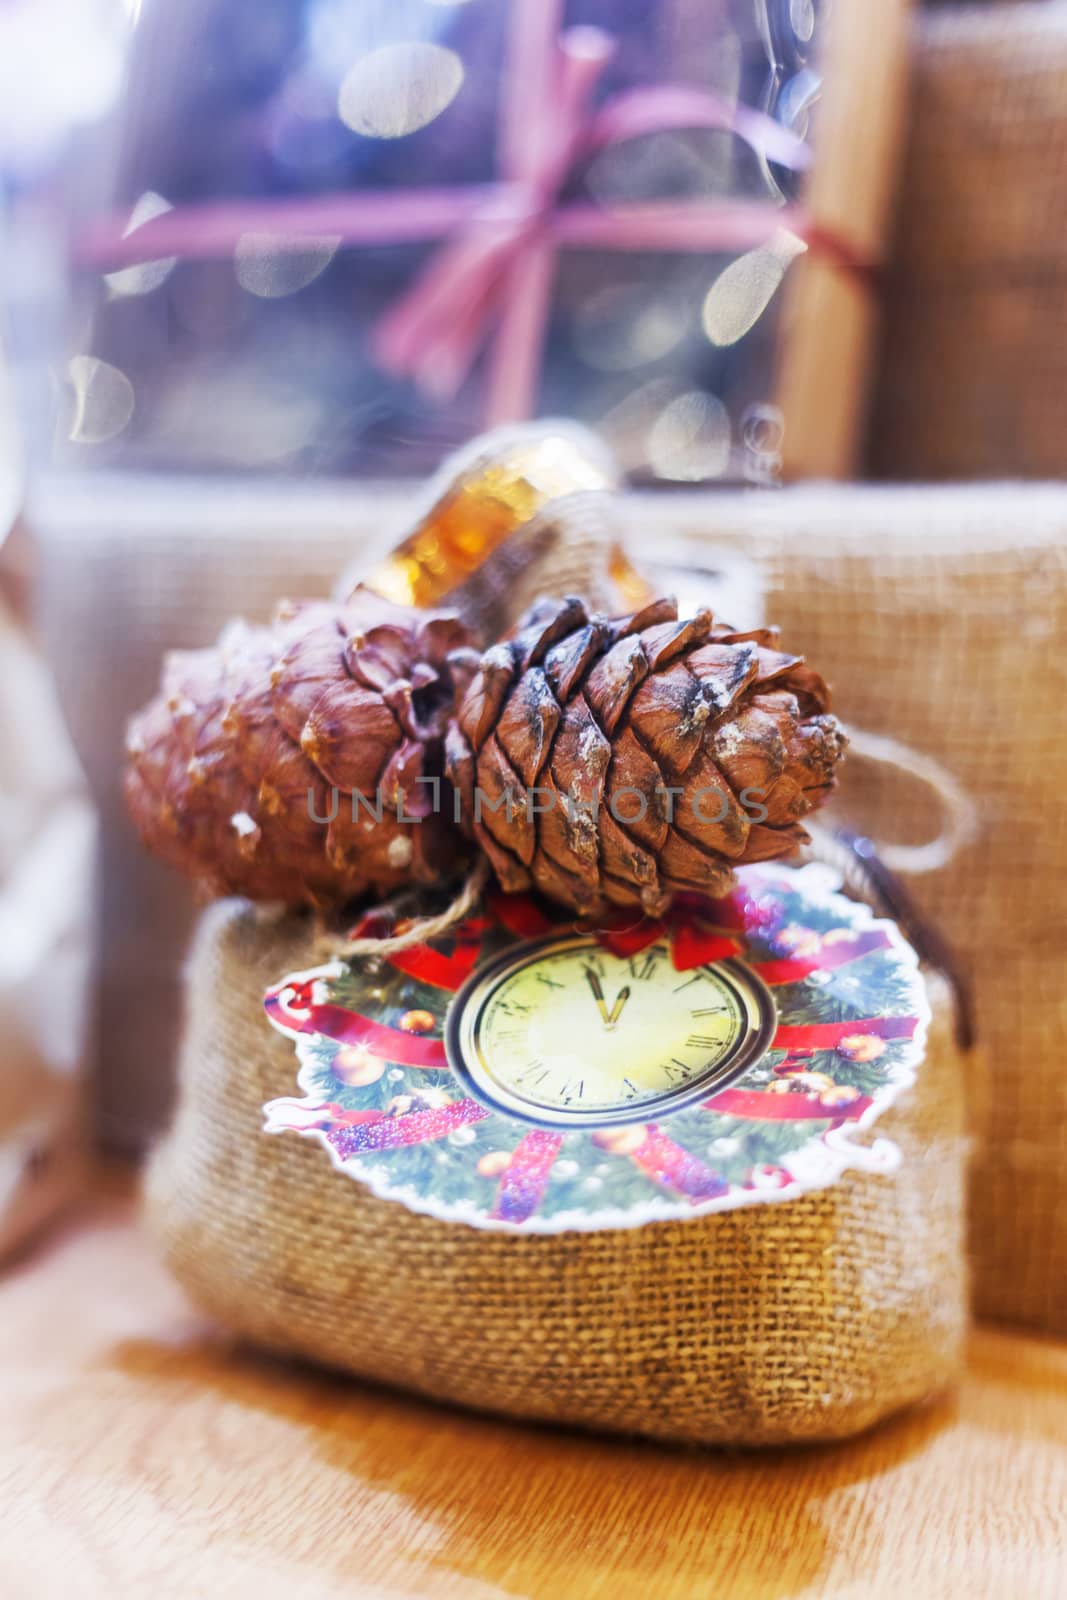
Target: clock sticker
point(524, 1072)
point(564, 1033)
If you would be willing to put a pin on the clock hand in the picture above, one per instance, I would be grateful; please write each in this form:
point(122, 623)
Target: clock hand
point(598, 995)
point(616, 1010)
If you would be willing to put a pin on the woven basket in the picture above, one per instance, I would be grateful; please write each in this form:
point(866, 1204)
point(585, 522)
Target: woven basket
point(805, 1319)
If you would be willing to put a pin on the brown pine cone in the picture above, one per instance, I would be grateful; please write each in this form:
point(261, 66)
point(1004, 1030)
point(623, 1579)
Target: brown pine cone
point(616, 762)
point(253, 744)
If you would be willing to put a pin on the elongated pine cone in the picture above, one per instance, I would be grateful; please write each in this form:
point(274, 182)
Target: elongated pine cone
point(617, 762)
point(251, 745)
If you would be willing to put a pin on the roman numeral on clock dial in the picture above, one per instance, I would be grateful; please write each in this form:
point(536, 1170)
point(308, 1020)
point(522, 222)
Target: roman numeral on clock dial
point(705, 972)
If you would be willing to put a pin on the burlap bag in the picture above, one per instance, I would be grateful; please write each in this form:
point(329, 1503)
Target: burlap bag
point(973, 367)
point(808, 1319)
point(940, 618)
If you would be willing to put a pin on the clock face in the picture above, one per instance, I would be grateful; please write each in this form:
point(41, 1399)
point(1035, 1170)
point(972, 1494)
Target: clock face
point(563, 1033)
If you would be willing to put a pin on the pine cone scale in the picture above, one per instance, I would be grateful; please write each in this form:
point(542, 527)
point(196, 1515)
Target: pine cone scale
point(668, 640)
point(708, 814)
point(484, 699)
point(668, 715)
point(567, 662)
point(307, 665)
point(684, 866)
point(613, 680)
point(637, 800)
point(528, 725)
point(723, 672)
point(626, 864)
point(349, 763)
point(501, 800)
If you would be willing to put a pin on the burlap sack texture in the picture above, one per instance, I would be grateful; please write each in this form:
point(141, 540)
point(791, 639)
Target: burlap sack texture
point(939, 615)
point(973, 365)
point(808, 1319)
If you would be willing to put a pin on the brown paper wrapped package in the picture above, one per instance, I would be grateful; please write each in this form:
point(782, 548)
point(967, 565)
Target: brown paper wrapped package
point(973, 364)
point(808, 1319)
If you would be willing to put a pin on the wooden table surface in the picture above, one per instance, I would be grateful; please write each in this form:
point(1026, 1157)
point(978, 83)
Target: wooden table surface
point(142, 1455)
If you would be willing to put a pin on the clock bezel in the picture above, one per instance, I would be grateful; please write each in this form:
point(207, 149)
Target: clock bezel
point(468, 1062)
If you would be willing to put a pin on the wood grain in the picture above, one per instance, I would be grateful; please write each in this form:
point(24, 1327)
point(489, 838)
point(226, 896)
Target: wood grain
point(142, 1455)
point(829, 316)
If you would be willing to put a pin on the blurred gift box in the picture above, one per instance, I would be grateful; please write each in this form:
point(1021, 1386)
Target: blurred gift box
point(367, 231)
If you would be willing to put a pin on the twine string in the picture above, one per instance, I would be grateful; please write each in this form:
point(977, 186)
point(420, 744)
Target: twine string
point(959, 813)
point(332, 946)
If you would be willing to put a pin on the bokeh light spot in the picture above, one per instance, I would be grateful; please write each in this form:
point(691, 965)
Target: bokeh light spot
point(398, 89)
point(802, 19)
point(145, 275)
point(273, 265)
point(622, 326)
point(743, 290)
point(690, 439)
point(103, 400)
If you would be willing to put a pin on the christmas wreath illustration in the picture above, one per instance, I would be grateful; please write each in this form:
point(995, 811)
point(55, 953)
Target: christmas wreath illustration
point(383, 1095)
